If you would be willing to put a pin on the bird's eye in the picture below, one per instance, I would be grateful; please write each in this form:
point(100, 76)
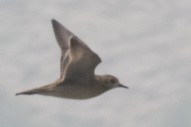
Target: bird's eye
point(112, 81)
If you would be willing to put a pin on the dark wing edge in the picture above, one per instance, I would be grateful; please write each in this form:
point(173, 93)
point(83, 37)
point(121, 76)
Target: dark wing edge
point(63, 37)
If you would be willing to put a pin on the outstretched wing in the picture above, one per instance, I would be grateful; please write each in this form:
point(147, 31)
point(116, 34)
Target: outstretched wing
point(63, 35)
point(82, 62)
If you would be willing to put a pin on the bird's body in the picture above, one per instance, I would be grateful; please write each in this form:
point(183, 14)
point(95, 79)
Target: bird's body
point(78, 62)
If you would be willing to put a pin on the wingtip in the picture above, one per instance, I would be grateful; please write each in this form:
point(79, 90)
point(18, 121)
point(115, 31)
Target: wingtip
point(56, 25)
point(54, 21)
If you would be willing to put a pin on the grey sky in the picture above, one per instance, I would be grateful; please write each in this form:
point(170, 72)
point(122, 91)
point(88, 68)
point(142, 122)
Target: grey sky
point(147, 44)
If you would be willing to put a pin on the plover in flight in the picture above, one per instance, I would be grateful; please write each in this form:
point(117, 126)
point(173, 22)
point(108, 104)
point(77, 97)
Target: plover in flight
point(77, 65)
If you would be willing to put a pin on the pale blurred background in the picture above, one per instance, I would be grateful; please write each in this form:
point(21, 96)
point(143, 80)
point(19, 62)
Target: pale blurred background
point(145, 43)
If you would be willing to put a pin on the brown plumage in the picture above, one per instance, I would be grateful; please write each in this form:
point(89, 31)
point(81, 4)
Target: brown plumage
point(78, 62)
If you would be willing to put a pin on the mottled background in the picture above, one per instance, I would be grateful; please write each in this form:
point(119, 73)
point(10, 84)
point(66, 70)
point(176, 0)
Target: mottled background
point(146, 43)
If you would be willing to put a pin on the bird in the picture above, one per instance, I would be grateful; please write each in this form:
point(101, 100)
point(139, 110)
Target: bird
point(77, 70)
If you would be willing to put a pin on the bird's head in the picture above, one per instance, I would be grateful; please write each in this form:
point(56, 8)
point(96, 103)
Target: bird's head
point(112, 82)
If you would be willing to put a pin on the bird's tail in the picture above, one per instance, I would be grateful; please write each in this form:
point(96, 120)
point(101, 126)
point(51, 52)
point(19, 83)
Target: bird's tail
point(40, 90)
point(30, 92)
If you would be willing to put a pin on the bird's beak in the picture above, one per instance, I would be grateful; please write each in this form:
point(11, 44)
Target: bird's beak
point(120, 85)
